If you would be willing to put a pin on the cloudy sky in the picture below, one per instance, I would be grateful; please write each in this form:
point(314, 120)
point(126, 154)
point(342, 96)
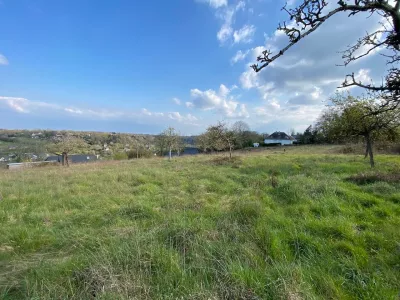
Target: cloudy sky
point(140, 66)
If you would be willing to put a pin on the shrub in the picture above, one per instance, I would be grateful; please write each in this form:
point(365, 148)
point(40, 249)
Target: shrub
point(142, 153)
point(120, 156)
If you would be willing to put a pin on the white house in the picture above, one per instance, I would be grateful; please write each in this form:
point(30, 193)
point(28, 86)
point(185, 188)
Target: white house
point(279, 137)
point(256, 145)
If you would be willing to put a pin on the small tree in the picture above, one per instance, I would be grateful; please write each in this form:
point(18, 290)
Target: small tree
point(203, 142)
point(65, 145)
point(138, 145)
point(160, 144)
point(170, 139)
point(359, 117)
point(221, 137)
point(242, 132)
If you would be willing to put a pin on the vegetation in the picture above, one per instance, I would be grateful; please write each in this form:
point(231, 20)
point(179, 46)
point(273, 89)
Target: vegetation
point(222, 137)
point(301, 224)
point(20, 145)
point(169, 140)
point(351, 117)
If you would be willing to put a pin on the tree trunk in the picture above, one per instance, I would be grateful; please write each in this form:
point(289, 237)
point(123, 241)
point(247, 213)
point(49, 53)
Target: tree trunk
point(370, 151)
point(230, 152)
point(137, 153)
point(66, 159)
point(170, 153)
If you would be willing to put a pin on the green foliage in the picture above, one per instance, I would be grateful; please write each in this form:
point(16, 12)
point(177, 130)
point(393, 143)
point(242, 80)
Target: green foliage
point(120, 156)
point(196, 228)
point(168, 141)
point(350, 118)
point(139, 153)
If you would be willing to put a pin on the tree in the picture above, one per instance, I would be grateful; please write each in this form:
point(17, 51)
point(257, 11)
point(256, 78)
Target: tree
point(137, 145)
point(311, 14)
point(160, 144)
point(203, 142)
point(180, 145)
point(169, 139)
point(350, 117)
point(65, 145)
point(241, 130)
point(220, 137)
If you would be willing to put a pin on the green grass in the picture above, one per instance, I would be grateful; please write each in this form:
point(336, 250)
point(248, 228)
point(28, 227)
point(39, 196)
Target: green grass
point(271, 225)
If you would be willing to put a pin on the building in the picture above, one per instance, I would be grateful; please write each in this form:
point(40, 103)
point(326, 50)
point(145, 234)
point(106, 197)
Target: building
point(74, 158)
point(13, 166)
point(279, 138)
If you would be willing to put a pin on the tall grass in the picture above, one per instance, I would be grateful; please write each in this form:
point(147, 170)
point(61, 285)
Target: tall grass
point(272, 225)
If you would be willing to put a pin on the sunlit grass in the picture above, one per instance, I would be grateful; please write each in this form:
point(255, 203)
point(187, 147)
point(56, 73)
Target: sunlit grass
point(271, 225)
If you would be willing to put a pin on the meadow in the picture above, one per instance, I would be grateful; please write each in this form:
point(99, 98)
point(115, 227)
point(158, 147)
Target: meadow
point(306, 223)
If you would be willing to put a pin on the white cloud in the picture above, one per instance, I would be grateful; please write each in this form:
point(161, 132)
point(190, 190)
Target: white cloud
point(249, 79)
point(73, 111)
point(175, 116)
point(239, 56)
point(146, 112)
point(295, 88)
point(363, 76)
point(223, 91)
point(220, 102)
point(215, 3)
point(42, 109)
point(275, 117)
point(3, 60)
point(241, 5)
point(224, 33)
point(244, 34)
point(16, 104)
point(176, 101)
point(226, 13)
point(186, 119)
point(189, 104)
point(191, 118)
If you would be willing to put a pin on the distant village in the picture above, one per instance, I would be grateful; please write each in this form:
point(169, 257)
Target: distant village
point(19, 147)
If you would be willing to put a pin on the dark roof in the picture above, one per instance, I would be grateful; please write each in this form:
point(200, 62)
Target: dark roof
point(74, 158)
point(278, 135)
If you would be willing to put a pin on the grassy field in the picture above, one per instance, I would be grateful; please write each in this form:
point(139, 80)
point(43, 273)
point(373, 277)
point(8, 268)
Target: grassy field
point(304, 224)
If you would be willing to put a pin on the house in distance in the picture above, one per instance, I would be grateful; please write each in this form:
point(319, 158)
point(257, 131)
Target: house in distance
point(279, 138)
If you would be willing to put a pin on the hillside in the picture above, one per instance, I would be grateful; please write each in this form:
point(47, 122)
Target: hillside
point(36, 145)
point(299, 224)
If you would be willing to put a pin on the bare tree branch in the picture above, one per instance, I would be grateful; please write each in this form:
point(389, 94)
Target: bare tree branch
point(309, 16)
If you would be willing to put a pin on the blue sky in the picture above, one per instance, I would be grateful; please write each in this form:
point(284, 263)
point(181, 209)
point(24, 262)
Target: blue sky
point(140, 66)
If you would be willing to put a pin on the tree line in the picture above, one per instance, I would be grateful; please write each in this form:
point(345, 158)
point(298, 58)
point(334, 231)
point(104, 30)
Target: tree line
point(217, 137)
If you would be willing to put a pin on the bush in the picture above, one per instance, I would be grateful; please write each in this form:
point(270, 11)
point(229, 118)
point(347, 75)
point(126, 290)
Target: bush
point(120, 156)
point(6, 139)
point(142, 153)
